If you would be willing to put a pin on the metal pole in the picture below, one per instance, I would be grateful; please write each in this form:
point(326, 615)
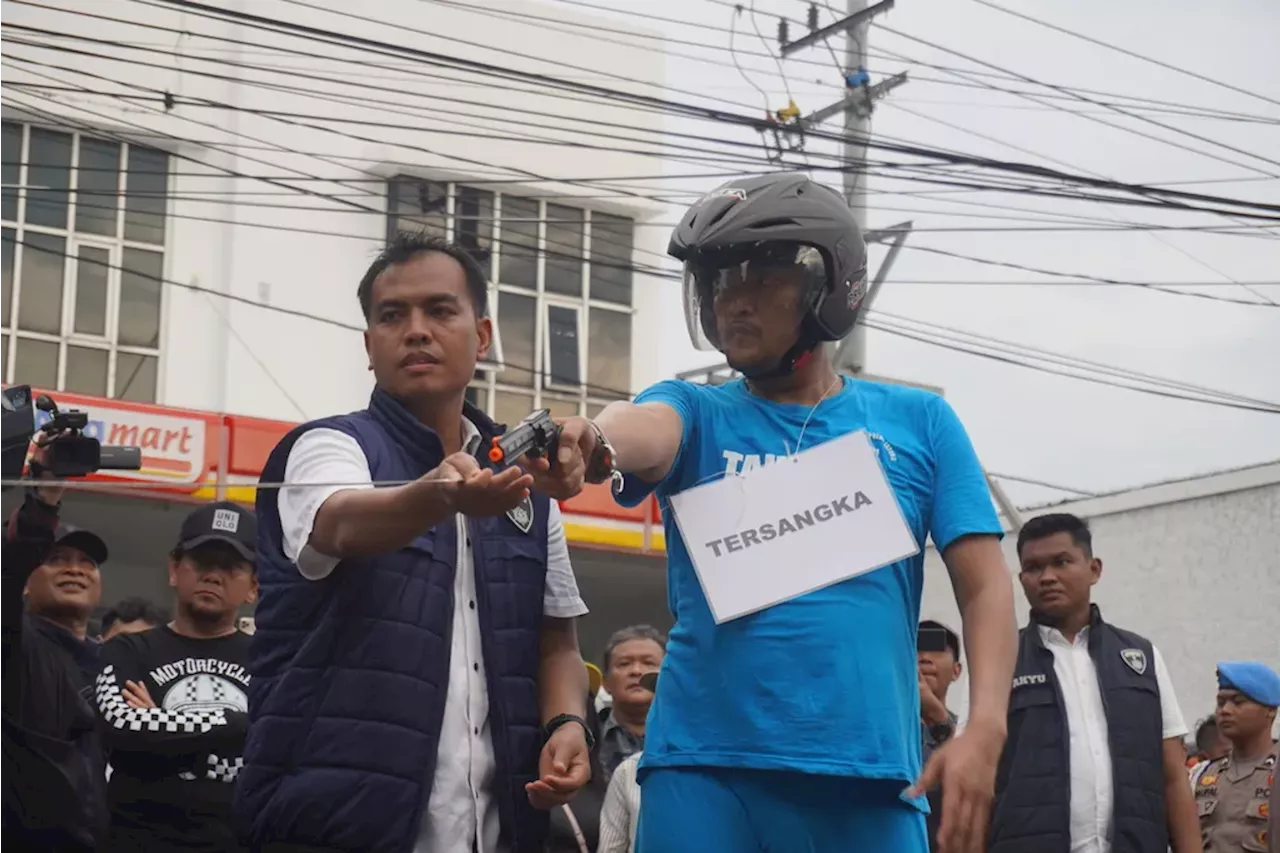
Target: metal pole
point(856, 123)
point(856, 126)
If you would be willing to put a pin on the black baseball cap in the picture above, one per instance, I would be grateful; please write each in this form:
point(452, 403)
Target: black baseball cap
point(223, 521)
point(88, 543)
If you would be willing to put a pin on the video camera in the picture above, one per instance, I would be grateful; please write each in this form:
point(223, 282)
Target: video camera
point(71, 452)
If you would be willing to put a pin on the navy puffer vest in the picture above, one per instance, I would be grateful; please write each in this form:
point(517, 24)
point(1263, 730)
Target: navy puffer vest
point(350, 672)
point(1032, 811)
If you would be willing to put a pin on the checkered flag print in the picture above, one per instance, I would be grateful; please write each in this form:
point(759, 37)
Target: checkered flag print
point(224, 769)
point(118, 714)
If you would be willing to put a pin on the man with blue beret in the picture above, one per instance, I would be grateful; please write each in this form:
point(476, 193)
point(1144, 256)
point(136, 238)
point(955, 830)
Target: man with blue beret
point(1234, 793)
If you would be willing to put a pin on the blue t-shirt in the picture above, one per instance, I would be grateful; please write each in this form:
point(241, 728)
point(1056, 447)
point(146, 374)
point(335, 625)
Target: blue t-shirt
point(825, 683)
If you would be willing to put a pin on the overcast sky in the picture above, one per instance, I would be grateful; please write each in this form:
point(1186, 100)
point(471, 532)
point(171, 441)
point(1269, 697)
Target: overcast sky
point(1029, 423)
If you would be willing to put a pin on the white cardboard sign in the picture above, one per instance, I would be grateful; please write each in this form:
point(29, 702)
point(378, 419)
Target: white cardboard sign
point(802, 523)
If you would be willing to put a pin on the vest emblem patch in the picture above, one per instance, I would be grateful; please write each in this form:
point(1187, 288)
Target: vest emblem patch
point(1135, 659)
point(521, 515)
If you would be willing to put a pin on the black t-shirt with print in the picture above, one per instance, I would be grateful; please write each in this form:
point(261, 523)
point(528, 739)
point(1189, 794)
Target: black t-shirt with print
point(173, 766)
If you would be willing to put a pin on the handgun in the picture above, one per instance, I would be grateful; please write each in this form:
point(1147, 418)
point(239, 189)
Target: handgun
point(534, 436)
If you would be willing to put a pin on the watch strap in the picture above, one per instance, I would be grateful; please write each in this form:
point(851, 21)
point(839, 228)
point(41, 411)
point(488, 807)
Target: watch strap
point(560, 719)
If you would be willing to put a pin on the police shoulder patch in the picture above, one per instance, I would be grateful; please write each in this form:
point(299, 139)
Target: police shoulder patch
point(1136, 659)
point(521, 515)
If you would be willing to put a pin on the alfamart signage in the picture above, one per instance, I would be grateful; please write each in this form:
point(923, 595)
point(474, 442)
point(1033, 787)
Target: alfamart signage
point(173, 448)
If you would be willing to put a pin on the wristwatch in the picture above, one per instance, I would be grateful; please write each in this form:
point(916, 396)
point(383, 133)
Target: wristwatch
point(603, 462)
point(558, 721)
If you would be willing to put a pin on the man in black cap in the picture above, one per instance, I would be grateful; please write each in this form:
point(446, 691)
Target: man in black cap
point(53, 764)
point(173, 698)
point(62, 594)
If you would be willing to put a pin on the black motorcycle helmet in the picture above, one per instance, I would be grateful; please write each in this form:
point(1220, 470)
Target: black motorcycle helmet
point(783, 218)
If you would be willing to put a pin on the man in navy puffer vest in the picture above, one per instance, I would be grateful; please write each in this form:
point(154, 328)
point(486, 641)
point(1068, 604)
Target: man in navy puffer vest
point(416, 680)
point(1094, 761)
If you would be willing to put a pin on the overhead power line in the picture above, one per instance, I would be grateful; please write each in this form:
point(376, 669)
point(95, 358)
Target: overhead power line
point(661, 273)
point(1134, 54)
point(992, 349)
point(436, 120)
point(383, 48)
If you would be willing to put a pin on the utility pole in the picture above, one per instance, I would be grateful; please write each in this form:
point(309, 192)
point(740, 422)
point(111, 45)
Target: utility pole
point(857, 122)
point(856, 106)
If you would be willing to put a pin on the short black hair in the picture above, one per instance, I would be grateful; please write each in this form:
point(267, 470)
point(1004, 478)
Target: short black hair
point(1206, 733)
point(1044, 526)
point(406, 246)
point(632, 632)
point(953, 641)
point(133, 610)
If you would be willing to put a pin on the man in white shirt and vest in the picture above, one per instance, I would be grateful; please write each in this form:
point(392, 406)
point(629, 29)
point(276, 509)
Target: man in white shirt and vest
point(416, 680)
point(1095, 760)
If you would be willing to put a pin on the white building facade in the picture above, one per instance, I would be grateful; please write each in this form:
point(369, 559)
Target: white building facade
point(1192, 565)
point(190, 200)
point(170, 212)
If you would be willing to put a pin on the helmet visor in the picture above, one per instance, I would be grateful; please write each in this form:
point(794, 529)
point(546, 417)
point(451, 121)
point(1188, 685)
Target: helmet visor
point(782, 279)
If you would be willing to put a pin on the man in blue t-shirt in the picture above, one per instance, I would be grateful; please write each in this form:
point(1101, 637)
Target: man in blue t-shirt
point(796, 727)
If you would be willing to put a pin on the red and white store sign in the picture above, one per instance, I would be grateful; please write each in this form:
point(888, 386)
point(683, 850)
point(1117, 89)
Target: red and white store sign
point(173, 447)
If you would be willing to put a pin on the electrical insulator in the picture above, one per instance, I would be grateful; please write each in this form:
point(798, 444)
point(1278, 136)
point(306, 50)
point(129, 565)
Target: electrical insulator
point(813, 16)
point(782, 33)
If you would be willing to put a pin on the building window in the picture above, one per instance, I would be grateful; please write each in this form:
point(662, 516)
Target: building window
point(83, 262)
point(560, 293)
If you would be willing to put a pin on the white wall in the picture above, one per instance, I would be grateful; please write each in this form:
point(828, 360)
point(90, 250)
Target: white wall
point(1200, 578)
point(237, 364)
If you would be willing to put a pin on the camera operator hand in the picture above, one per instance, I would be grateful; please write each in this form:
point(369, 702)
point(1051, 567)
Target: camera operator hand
point(51, 495)
point(479, 492)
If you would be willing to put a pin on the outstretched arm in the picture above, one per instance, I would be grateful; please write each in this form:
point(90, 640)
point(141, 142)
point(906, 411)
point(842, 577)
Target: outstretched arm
point(648, 438)
point(645, 436)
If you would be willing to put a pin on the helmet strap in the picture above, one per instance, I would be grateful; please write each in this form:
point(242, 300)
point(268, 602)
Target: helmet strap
point(793, 359)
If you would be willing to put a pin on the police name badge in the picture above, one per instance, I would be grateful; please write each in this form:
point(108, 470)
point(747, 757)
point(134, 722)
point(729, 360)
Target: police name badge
point(797, 525)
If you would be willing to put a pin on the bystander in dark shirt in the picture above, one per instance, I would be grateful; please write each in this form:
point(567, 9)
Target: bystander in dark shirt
point(54, 773)
point(617, 743)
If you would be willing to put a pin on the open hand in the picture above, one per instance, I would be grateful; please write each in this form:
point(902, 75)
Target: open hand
point(479, 492)
point(136, 695)
point(966, 768)
point(563, 768)
point(574, 449)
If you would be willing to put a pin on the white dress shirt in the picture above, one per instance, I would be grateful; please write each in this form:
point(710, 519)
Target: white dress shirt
point(461, 815)
point(620, 813)
point(1092, 794)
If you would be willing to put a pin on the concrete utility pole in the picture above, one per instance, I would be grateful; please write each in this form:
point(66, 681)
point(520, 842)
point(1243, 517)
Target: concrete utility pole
point(857, 122)
point(850, 354)
point(856, 106)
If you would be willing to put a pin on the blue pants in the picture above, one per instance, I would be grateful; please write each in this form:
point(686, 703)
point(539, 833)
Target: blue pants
point(719, 810)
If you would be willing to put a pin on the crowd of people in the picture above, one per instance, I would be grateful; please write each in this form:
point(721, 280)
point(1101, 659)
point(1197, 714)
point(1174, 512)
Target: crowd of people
point(414, 682)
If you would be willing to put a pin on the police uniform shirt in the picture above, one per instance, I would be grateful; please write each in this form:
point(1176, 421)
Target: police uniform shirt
point(1233, 803)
